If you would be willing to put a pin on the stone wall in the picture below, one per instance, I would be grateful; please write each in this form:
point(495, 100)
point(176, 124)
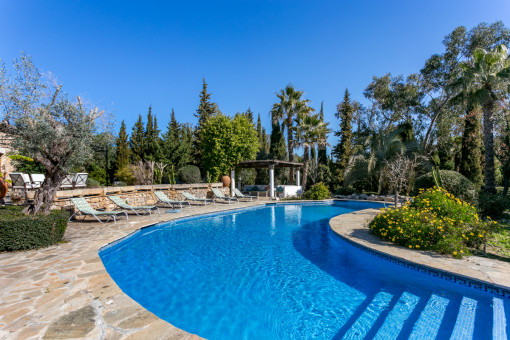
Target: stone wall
point(134, 195)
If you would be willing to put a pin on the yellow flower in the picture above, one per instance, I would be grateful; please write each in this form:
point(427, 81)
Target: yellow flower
point(454, 253)
point(410, 246)
point(480, 235)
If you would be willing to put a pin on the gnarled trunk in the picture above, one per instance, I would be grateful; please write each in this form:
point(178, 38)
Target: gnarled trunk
point(488, 141)
point(45, 196)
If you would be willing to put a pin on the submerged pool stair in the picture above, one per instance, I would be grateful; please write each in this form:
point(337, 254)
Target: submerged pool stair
point(380, 322)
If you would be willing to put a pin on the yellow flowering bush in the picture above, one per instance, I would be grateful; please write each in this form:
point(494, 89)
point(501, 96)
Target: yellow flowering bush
point(434, 220)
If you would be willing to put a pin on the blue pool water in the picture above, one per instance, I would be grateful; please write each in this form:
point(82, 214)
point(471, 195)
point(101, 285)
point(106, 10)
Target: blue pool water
point(279, 272)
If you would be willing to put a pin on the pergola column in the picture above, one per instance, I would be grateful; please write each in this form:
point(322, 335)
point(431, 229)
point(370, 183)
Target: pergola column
point(271, 181)
point(298, 177)
point(232, 182)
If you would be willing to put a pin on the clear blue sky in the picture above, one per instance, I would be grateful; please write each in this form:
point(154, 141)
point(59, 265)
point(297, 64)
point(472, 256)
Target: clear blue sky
point(127, 55)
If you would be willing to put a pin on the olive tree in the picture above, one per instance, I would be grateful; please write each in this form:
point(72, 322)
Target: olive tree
point(46, 125)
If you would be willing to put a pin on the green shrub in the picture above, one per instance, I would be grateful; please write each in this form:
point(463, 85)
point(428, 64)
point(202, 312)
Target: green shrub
point(21, 232)
point(345, 191)
point(453, 182)
point(492, 205)
point(189, 174)
point(434, 220)
point(317, 191)
point(92, 183)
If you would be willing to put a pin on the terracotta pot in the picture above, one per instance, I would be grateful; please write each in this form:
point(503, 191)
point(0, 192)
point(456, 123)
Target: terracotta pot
point(3, 188)
point(226, 181)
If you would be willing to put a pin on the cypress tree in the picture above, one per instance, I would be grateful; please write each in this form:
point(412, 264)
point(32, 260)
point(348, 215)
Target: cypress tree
point(277, 148)
point(342, 151)
point(322, 154)
point(259, 129)
point(136, 142)
point(122, 148)
point(151, 139)
point(471, 155)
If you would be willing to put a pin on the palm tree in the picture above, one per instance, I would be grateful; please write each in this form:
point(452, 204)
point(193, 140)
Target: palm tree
point(286, 110)
point(310, 131)
point(487, 77)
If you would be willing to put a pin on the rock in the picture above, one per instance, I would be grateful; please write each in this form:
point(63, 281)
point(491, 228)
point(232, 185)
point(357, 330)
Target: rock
point(372, 198)
point(363, 196)
point(389, 199)
point(76, 324)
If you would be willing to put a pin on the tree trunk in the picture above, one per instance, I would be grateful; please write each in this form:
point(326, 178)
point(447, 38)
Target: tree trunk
point(45, 196)
point(488, 141)
point(290, 146)
point(305, 166)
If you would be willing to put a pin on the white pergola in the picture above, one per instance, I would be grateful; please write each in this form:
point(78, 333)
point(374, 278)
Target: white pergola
point(271, 164)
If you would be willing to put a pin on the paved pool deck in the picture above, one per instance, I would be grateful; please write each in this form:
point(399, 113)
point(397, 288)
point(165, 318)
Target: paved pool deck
point(64, 291)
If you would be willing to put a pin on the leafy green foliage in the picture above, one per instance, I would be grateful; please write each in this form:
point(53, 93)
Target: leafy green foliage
point(189, 174)
point(492, 205)
point(317, 191)
point(126, 175)
point(226, 142)
point(20, 232)
point(434, 220)
point(453, 182)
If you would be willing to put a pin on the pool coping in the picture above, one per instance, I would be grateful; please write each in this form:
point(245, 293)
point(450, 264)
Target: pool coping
point(353, 228)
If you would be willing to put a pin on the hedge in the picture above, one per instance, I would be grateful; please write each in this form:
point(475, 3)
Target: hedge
point(23, 232)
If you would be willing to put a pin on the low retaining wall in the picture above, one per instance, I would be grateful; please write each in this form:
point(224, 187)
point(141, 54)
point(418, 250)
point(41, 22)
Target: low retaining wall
point(134, 195)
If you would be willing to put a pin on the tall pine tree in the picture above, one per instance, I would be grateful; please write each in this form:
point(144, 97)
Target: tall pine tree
point(136, 142)
point(342, 151)
point(122, 148)
point(177, 143)
point(152, 142)
point(206, 109)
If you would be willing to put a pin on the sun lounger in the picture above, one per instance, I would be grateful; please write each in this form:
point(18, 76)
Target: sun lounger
point(124, 205)
point(219, 195)
point(84, 208)
point(192, 198)
point(37, 180)
point(240, 195)
point(164, 199)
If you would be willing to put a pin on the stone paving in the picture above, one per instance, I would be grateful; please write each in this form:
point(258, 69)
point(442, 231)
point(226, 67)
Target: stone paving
point(64, 291)
point(354, 226)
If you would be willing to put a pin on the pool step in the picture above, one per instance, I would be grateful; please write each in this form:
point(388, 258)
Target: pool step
point(397, 317)
point(430, 319)
point(429, 322)
point(366, 320)
point(465, 323)
point(499, 325)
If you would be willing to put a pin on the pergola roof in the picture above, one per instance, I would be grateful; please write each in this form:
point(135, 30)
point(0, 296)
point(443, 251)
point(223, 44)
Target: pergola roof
point(268, 162)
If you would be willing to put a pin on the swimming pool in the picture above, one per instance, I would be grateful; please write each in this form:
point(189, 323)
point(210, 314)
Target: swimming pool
point(279, 272)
